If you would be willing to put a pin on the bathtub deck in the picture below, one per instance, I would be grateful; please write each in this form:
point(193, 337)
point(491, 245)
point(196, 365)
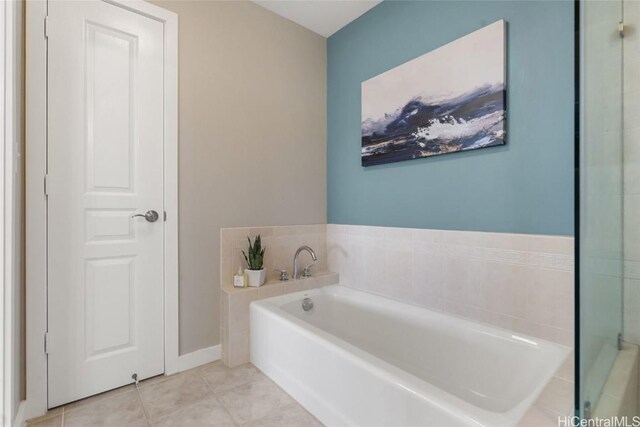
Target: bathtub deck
point(210, 395)
point(556, 400)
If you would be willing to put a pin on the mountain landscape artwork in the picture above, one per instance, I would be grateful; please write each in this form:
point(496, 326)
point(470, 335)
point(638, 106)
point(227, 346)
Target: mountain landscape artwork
point(448, 100)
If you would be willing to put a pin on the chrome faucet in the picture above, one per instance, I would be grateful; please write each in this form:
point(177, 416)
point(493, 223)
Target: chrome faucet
point(296, 275)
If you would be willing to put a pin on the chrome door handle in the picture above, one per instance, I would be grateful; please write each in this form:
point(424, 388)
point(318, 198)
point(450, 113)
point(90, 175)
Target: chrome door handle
point(151, 216)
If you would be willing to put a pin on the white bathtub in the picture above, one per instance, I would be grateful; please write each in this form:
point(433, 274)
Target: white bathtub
point(364, 360)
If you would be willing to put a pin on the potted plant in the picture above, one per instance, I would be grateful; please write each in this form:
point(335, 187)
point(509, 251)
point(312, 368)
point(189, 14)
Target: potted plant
point(255, 262)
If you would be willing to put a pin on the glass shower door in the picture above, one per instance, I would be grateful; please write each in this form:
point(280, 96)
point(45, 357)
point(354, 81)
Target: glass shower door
point(599, 275)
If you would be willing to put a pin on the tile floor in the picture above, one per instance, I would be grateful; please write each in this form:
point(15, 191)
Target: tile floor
point(210, 395)
point(215, 395)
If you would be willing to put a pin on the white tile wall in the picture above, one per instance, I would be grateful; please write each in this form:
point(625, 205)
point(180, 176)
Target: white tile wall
point(520, 282)
point(515, 281)
point(281, 244)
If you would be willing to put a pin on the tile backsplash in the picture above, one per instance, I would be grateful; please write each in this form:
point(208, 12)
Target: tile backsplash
point(515, 281)
point(280, 243)
point(521, 282)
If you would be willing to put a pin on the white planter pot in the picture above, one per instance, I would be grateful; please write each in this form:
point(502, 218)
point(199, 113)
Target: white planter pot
point(256, 277)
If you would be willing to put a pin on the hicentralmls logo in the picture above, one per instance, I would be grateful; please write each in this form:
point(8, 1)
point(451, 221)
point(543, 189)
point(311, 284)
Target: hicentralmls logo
point(599, 422)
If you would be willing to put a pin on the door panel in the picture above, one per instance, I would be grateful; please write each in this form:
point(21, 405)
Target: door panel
point(111, 58)
point(108, 290)
point(105, 163)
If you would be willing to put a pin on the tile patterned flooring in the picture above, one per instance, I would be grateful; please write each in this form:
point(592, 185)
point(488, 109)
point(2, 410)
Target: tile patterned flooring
point(215, 395)
point(210, 395)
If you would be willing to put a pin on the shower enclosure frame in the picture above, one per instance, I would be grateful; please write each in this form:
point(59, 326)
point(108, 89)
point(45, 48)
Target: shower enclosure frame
point(600, 242)
point(576, 208)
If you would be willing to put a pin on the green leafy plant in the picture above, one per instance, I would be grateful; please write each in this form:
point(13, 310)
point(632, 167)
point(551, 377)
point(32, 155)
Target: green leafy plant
point(255, 256)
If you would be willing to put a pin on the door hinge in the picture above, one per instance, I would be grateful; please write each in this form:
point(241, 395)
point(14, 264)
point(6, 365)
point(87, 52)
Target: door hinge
point(619, 342)
point(621, 29)
point(46, 343)
point(46, 189)
point(164, 216)
point(46, 27)
point(586, 414)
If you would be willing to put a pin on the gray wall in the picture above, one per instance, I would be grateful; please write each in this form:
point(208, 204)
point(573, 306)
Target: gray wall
point(252, 139)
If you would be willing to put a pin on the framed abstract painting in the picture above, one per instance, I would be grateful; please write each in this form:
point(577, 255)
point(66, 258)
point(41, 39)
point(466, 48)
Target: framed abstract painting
point(448, 100)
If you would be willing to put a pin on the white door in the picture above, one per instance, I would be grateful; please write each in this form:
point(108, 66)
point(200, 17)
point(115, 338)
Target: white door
point(105, 164)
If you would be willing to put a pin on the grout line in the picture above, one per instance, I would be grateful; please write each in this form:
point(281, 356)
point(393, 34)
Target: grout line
point(156, 380)
point(207, 384)
point(224, 406)
point(62, 418)
point(561, 379)
point(195, 402)
point(216, 394)
point(43, 417)
point(189, 372)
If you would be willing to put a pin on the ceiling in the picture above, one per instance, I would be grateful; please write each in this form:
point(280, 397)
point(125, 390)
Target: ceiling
point(324, 17)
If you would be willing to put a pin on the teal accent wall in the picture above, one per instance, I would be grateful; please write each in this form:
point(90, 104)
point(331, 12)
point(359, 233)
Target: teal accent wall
point(525, 186)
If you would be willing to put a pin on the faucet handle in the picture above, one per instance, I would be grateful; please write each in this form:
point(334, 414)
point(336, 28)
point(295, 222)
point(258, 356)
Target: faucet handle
point(306, 271)
point(283, 274)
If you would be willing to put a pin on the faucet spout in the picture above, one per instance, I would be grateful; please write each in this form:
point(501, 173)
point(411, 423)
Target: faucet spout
point(296, 275)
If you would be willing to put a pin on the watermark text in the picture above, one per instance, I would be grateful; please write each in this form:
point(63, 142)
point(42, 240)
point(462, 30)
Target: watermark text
point(599, 422)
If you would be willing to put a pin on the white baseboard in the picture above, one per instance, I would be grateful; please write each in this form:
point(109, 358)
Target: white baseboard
point(198, 357)
point(20, 415)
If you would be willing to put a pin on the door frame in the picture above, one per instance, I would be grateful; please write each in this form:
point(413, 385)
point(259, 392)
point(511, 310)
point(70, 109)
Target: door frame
point(36, 208)
point(10, 215)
